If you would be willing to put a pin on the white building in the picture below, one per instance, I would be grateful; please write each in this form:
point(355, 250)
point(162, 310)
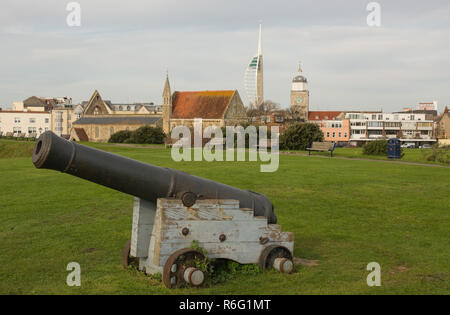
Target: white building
point(24, 122)
point(408, 127)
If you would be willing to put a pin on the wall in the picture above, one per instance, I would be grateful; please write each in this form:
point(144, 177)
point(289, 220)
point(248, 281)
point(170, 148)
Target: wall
point(341, 134)
point(68, 117)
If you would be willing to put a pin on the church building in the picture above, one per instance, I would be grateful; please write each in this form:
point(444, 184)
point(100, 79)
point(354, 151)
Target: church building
point(100, 119)
point(215, 108)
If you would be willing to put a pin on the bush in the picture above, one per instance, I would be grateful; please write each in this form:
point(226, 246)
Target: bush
point(120, 136)
point(437, 154)
point(142, 135)
point(377, 147)
point(300, 136)
point(148, 135)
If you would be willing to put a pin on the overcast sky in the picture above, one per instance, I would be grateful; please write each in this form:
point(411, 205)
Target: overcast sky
point(123, 49)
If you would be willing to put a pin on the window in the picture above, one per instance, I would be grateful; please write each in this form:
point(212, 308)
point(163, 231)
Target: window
point(380, 117)
point(96, 132)
point(111, 130)
point(345, 135)
point(374, 117)
point(334, 134)
point(17, 120)
point(31, 130)
point(128, 108)
point(46, 120)
point(412, 117)
point(328, 134)
point(340, 134)
point(32, 120)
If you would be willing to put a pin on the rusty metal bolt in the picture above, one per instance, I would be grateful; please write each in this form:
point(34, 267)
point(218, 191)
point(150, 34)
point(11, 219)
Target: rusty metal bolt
point(263, 240)
point(222, 237)
point(188, 199)
point(185, 231)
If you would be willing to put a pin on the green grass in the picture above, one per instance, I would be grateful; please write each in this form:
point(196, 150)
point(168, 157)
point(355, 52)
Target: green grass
point(15, 148)
point(410, 155)
point(344, 213)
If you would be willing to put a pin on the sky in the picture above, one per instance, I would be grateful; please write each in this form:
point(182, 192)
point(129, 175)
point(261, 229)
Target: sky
point(124, 49)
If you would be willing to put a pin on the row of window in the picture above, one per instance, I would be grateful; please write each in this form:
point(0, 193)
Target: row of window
point(334, 134)
point(17, 130)
point(31, 120)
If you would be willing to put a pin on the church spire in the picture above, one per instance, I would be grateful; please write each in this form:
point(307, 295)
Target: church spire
point(167, 94)
point(167, 106)
point(260, 40)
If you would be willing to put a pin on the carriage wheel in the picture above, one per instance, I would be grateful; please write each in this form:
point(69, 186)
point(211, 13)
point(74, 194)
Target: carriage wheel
point(278, 257)
point(180, 269)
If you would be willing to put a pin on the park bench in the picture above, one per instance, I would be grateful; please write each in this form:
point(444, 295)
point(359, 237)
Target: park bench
point(322, 146)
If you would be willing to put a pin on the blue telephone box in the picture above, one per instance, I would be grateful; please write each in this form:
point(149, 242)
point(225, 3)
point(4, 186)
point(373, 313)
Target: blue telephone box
point(394, 150)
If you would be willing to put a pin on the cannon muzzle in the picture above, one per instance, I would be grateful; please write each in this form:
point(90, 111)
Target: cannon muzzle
point(146, 181)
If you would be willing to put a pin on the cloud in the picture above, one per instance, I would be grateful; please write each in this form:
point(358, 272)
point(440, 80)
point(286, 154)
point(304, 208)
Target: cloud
point(124, 48)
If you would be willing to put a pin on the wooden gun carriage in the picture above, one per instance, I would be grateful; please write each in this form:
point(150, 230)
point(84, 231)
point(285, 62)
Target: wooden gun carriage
point(173, 209)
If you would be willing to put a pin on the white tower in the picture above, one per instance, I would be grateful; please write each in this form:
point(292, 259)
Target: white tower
point(254, 87)
point(300, 95)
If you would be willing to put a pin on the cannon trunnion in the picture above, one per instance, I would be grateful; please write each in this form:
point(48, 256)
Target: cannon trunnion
point(173, 209)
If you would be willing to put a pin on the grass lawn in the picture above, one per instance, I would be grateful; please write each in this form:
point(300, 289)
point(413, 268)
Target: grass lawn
point(410, 155)
point(344, 213)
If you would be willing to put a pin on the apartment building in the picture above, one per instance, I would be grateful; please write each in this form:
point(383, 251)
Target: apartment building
point(24, 122)
point(334, 126)
point(408, 127)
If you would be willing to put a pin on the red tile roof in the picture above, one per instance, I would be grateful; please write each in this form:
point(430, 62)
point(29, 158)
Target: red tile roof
point(201, 104)
point(81, 134)
point(323, 115)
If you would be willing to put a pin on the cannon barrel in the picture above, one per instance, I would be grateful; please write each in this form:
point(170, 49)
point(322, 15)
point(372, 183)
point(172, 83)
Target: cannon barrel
point(146, 181)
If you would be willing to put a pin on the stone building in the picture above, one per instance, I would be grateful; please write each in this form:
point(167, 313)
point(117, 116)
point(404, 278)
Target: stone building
point(100, 119)
point(215, 108)
point(443, 125)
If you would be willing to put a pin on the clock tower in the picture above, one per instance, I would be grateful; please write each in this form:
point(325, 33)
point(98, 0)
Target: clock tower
point(300, 96)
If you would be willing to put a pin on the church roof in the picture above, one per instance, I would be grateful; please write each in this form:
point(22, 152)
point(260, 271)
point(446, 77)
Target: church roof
point(116, 120)
point(201, 104)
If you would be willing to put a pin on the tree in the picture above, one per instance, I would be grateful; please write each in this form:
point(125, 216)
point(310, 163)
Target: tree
point(299, 136)
point(268, 106)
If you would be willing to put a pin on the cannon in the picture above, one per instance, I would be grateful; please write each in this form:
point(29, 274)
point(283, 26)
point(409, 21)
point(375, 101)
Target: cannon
point(173, 209)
